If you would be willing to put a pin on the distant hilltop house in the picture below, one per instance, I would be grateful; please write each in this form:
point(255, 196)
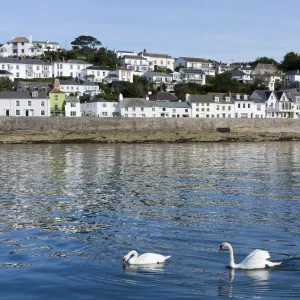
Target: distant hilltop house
point(195, 63)
point(21, 46)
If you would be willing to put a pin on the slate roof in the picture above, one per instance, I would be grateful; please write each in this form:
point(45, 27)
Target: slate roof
point(265, 66)
point(94, 100)
point(25, 61)
point(172, 104)
point(5, 72)
point(163, 96)
point(21, 95)
point(141, 102)
point(98, 68)
point(72, 99)
point(192, 71)
point(147, 74)
point(155, 55)
point(194, 59)
point(238, 73)
point(72, 82)
point(133, 57)
point(44, 42)
point(263, 95)
point(295, 72)
point(209, 98)
point(19, 40)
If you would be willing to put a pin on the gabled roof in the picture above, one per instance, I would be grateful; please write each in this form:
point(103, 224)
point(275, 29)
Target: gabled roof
point(72, 99)
point(155, 55)
point(21, 95)
point(265, 66)
point(194, 59)
point(263, 94)
point(238, 73)
point(98, 68)
point(178, 104)
point(136, 102)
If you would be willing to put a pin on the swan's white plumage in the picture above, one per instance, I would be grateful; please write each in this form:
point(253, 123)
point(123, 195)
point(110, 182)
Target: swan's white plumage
point(133, 258)
point(257, 259)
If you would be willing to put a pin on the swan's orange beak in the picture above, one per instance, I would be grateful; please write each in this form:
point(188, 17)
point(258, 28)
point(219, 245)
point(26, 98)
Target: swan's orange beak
point(221, 248)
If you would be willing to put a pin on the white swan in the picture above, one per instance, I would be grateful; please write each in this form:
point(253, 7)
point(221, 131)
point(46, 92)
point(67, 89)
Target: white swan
point(145, 259)
point(257, 259)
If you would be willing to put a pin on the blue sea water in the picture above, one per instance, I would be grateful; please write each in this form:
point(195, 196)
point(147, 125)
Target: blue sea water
point(69, 213)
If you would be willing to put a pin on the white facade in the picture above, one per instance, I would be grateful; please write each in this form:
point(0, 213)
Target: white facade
point(26, 68)
point(136, 63)
point(123, 74)
point(70, 86)
point(46, 46)
point(163, 61)
point(69, 68)
point(158, 79)
point(121, 53)
point(244, 107)
point(9, 75)
point(292, 76)
point(95, 73)
point(192, 75)
point(30, 104)
point(194, 63)
point(72, 107)
point(100, 108)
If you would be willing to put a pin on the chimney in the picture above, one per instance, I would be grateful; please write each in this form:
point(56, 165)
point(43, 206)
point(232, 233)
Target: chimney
point(297, 71)
point(120, 97)
point(30, 39)
point(229, 94)
point(187, 97)
point(13, 37)
point(56, 84)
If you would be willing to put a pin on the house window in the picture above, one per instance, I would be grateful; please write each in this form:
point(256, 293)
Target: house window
point(61, 66)
point(56, 97)
point(133, 109)
point(186, 110)
point(223, 107)
point(197, 109)
point(207, 109)
point(42, 112)
point(143, 115)
point(17, 112)
point(197, 116)
point(104, 113)
point(239, 105)
point(71, 74)
point(78, 67)
point(218, 107)
point(202, 109)
point(73, 104)
point(244, 105)
point(142, 108)
point(29, 103)
point(126, 108)
point(17, 67)
point(164, 109)
point(73, 113)
point(229, 108)
point(153, 108)
point(3, 67)
point(37, 68)
point(161, 62)
point(248, 105)
point(104, 105)
point(42, 103)
point(17, 103)
point(174, 110)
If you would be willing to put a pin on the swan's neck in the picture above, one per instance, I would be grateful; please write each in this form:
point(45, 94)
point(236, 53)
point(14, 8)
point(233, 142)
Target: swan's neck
point(231, 257)
point(133, 255)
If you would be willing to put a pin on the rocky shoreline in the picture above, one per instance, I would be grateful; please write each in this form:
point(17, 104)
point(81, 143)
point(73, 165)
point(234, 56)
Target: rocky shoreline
point(129, 136)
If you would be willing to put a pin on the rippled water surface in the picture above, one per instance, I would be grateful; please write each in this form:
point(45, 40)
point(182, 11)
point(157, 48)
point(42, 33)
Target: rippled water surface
point(69, 213)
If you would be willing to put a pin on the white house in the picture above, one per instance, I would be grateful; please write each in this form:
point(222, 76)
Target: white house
point(264, 69)
point(192, 75)
point(158, 61)
point(34, 103)
point(195, 63)
point(46, 46)
point(121, 53)
point(214, 105)
point(285, 105)
point(72, 107)
point(94, 73)
point(69, 68)
point(270, 79)
point(123, 74)
point(71, 86)
point(173, 109)
point(292, 76)
point(295, 98)
point(158, 79)
point(269, 97)
point(241, 76)
point(5, 73)
point(136, 63)
point(245, 107)
point(26, 68)
point(100, 108)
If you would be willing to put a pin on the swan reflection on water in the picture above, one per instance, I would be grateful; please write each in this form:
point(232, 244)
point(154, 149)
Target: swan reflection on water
point(231, 287)
point(146, 268)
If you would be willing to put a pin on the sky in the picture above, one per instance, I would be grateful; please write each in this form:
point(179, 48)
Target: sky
point(222, 30)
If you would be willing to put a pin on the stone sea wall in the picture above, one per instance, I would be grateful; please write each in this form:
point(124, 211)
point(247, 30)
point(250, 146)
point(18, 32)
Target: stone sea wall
point(128, 130)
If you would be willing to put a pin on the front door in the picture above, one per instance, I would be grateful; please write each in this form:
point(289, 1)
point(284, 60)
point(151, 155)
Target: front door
point(27, 112)
point(7, 113)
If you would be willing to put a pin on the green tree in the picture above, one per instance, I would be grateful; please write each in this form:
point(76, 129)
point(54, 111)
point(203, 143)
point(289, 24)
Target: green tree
point(180, 90)
point(6, 84)
point(222, 83)
point(86, 45)
point(291, 61)
point(134, 90)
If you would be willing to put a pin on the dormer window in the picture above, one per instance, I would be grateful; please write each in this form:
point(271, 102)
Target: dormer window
point(34, 94)
point(237, 97)
point(227, 99)
point(216, 99)
point(245, 97)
